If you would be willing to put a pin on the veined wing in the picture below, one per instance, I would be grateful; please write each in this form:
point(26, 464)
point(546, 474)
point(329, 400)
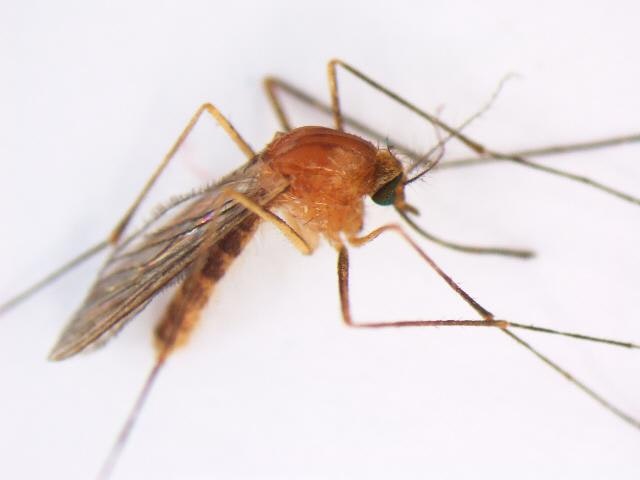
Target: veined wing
point(159, 253)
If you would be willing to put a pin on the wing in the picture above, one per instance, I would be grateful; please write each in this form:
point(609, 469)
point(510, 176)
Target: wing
point(160, 253)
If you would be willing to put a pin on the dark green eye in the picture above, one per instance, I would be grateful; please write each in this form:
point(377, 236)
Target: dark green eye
point(386, 195)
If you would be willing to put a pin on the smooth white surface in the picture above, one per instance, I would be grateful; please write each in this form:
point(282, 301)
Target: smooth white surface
point(272, 385)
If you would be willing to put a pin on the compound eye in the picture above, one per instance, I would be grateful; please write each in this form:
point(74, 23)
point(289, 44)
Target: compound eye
point(386, 195)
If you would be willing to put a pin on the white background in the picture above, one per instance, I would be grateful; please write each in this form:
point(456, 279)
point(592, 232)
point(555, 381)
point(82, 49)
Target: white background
point(272, 385)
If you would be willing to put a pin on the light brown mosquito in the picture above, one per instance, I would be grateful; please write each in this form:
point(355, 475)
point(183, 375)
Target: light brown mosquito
point(310, 182)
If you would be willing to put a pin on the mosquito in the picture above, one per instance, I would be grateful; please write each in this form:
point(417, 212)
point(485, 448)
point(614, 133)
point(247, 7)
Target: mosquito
point(310, 182)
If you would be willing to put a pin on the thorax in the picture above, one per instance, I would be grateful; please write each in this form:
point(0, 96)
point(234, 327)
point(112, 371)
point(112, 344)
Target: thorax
point(329, 173)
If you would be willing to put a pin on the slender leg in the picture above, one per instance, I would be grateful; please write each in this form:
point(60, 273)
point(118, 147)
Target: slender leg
point(549, 150)
point(507, 252)
point(471, 144)
point(488, 319)
point(294, 237)
point(270, 85)
point(333, 93)
point(360, 241)
point(485, 314)
point(343, 281)
point(224, 123)
point(117, 232)
point(87, 254)
point(276, 84)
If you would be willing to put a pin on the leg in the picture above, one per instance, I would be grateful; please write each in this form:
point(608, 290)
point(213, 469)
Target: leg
point(550, 150)
point(343, 281)
point(333, 94)
point(507, 252)
point(270, 84)
point(87, 254)
point(224, 123)
point(476, 147)
point(122, 224)
point(293, 236)
point(489, 321)
point(343, 267)
point(273, 84)
point(428, 165)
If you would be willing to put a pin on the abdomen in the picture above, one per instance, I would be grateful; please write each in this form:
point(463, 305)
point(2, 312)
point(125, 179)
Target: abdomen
point(187, 303)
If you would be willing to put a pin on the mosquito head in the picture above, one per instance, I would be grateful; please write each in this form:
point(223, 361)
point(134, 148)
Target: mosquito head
point(389, 185)
point(386, 194)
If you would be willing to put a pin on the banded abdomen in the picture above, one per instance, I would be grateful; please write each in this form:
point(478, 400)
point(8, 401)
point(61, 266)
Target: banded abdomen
point(185, 307)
